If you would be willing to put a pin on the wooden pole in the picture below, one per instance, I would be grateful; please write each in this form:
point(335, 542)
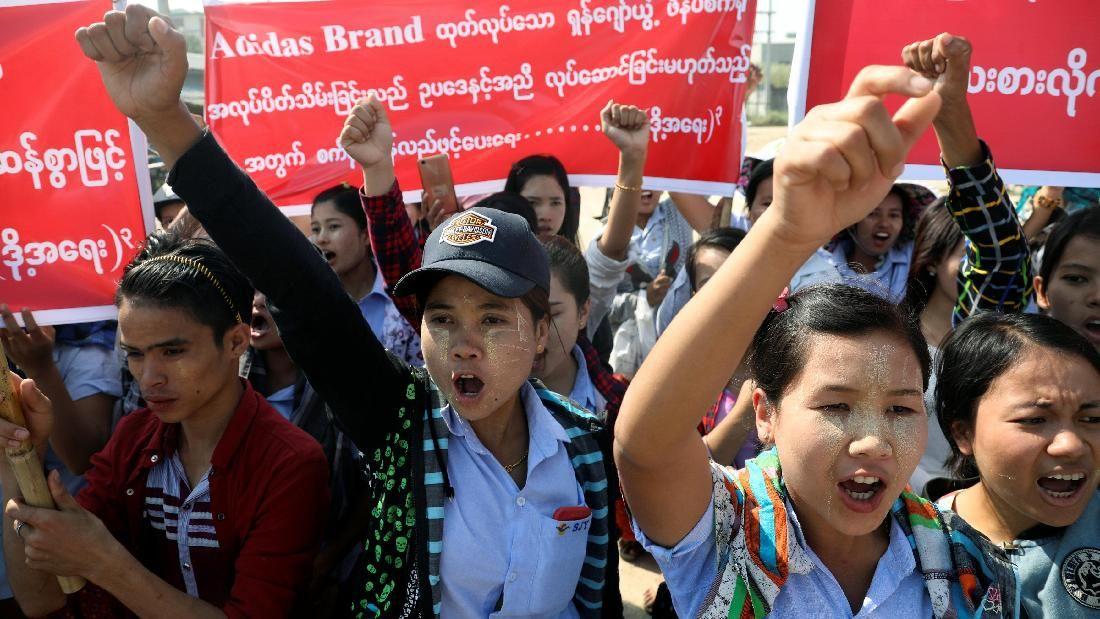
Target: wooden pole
point(25, 463)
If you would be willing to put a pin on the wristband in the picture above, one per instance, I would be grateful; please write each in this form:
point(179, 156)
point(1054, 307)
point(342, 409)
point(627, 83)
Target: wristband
point(622, 187)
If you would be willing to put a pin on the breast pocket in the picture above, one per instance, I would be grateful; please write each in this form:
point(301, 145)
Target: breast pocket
point(562, 547)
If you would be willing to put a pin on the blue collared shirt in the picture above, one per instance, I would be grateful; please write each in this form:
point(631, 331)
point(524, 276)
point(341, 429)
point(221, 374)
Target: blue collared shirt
point(373, 306)
point(584, 391)
point(888, 280)
point(897, 587)
point(504, 554)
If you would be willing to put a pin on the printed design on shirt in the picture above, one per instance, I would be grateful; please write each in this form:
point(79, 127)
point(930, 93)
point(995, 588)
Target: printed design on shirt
point(180, 517)
point(468, 229)
point(1081, 576)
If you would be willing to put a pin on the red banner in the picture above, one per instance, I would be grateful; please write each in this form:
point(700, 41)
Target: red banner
point(1035, 72)
point(485, 82)
point(70, 205)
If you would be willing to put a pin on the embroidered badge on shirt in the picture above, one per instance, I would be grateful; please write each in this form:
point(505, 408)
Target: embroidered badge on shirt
point(1081, 577)
point(468, 229)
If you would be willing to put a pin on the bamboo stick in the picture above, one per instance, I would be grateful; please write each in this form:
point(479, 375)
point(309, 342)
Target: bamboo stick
point(25, 463)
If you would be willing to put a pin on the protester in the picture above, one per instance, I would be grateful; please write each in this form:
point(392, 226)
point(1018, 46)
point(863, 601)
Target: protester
point(840, 375)
point(339, 229)
point(273, 374)
point(167, 205)
point(397, 247)
point(1019, 397)
point(194, 507)
point(970, 254)
point(543, 182)
point(76, 368)
point(525, 531)
point(758, 196)
point(1068, 284)
point(1041, 207)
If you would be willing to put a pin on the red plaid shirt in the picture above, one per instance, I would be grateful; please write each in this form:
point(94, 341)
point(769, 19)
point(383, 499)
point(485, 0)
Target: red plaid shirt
point(397, 251)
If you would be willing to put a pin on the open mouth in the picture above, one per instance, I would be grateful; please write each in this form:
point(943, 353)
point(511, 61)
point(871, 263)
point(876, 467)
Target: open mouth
point(882, 237)
point(468, 385)
point(1092, 327)
point(260, 325)
point(1061, 486)
point(329, 256)
point(861, 488)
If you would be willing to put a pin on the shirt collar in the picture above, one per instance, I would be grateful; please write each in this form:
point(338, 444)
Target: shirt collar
point(165, 439)
point(379, 287)
point(543, 431)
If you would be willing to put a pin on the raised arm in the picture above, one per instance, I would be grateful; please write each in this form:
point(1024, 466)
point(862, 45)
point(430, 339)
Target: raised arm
point(837, 165)
point(368, 139)
point(996, 271)
point(628, 129)
point(142, 61)
point(696, 209)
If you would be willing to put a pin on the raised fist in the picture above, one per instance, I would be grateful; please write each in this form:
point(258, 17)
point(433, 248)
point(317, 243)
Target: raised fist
point(141, 58)
point(367, 135)
point(841, 160)
point(626, 126)
point(945, 58)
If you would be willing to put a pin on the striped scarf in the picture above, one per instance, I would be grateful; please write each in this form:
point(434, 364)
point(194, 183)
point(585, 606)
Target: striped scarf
point(759, 549)
point(389, 570)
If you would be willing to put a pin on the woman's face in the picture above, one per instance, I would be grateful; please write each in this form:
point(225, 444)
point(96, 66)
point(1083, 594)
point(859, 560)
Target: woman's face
point(762, 200)
point(707, 262)
point(1073, 293)
point(548, 199)
point(877, 233)
point(264, 335)
point(567, 320)
point(850, 430)
point(338, 237)
point(1036, 439)
point(478, 347)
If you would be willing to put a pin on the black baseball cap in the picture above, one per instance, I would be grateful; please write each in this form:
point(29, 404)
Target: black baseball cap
point(493, 249)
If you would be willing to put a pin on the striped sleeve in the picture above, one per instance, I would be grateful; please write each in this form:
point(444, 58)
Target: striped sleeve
point(996, 271)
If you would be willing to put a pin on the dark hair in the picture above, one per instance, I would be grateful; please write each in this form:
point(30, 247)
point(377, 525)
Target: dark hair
point(937, 235)
point(547, 165)
point(511, 202)
point(719, 238)
point(346, 200)
point(159, 206)
point(983, 348)
point(1085, 222)
point(567, 262)
point(779, 347)
point(163, 274)
point(760, 173)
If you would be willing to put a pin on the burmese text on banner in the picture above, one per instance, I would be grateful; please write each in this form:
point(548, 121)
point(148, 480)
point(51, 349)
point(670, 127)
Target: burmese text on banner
point(74, 198)
point(1035, 72)
point(485, 82)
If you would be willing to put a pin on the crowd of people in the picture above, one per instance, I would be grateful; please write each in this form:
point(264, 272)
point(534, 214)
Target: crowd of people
point(849, 398)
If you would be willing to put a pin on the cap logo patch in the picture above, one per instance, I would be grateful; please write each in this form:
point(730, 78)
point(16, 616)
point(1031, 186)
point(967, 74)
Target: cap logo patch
point(468, 229)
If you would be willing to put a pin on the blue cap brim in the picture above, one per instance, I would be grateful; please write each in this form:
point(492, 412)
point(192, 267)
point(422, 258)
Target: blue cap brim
point(496, 280)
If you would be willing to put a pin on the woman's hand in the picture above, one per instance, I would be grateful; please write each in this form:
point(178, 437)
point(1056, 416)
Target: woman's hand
point(841, 160)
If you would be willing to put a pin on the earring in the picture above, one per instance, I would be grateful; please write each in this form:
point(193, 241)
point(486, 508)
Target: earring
point(932, 272)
